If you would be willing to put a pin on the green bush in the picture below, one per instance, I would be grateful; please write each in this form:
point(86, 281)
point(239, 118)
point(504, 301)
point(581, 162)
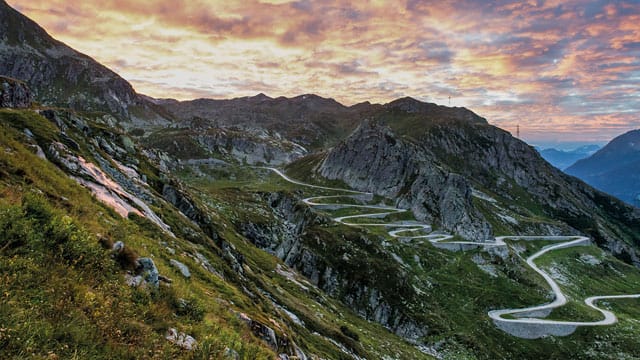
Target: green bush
point(350, 333)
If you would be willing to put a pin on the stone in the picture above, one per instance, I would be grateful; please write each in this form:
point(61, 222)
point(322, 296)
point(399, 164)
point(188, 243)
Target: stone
point(181, 339)
point(117, 247)
point(184, 270)
point(230, 354)
point(149, 271)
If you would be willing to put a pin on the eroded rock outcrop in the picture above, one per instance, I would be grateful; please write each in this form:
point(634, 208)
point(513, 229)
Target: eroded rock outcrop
point(374, 159)
point(290, 238)
point(14, 93)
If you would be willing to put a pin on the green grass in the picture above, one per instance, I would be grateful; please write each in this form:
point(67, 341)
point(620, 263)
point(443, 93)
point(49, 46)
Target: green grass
point(63, 294)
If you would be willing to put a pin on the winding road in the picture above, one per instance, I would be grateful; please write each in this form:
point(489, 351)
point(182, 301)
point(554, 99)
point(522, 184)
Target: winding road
point(526, 322)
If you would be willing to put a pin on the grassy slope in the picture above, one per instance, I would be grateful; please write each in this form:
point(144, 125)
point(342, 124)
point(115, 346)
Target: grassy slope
point(74, 303)
point(63, 294)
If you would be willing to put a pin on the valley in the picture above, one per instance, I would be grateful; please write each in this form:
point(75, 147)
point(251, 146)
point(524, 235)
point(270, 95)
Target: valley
point(292, 227)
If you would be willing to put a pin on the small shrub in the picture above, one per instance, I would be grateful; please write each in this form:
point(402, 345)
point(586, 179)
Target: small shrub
point(350, 333)
point(191, 309)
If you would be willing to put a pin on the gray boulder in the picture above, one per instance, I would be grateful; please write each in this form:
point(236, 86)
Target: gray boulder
point(184, 270)
point(149, 271)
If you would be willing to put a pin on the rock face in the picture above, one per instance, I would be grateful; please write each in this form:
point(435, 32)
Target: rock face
point(288, 238)
point(14, 93)
point(252, 147)
point(197, 144)
point(374, 159)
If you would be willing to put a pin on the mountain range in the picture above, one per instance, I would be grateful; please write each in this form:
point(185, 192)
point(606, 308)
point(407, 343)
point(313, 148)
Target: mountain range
point(614, 168)
point(562, 159)
point(133, 227)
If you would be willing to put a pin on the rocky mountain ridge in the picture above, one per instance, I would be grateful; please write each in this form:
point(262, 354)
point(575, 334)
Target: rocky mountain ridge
point(439, 171)
point(60, 76)
point(309, 120)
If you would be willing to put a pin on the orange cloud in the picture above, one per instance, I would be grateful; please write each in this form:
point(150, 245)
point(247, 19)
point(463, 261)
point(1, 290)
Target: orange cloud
point(554, 67)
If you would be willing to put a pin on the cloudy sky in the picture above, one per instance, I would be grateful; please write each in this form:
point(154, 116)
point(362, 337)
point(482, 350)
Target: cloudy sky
point(562, 70)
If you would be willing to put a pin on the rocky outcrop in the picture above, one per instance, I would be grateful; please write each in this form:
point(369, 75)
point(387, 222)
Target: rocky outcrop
point(182, 201)
point(374, 159)
point(251, 146)
point(14, 93)
point(146, 273)
point(288, 238)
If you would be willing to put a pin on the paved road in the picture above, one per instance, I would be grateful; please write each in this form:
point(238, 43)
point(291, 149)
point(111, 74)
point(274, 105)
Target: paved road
point(527, 322)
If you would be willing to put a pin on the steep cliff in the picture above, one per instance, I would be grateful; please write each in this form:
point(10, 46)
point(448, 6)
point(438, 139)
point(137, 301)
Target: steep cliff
point(374, 159)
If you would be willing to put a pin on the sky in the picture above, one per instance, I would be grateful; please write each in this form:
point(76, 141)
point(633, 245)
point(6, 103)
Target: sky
point(564, 71)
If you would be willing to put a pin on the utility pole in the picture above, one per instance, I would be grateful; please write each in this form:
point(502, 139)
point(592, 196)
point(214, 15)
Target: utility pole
point(518, 131)
point(449, 100)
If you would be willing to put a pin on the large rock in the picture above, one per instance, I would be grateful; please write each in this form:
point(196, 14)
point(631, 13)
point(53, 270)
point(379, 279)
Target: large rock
point(149, 271)
point(374, 159)
point(14, 93)
point(184, 270)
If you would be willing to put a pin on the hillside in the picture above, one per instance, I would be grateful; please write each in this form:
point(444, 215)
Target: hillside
point(60, 76)
point(309, 120)
point(615, 168)
point(446, 171)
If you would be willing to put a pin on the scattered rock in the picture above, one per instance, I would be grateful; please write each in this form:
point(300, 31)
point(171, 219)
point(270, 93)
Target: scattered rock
point(181, 339)
point(590, 259)
point(132, 280)
point(184, 270)
point(202, 260)
point(260, 330)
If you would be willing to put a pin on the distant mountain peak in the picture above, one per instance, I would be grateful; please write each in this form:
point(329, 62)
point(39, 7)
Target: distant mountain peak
point(614, 168)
